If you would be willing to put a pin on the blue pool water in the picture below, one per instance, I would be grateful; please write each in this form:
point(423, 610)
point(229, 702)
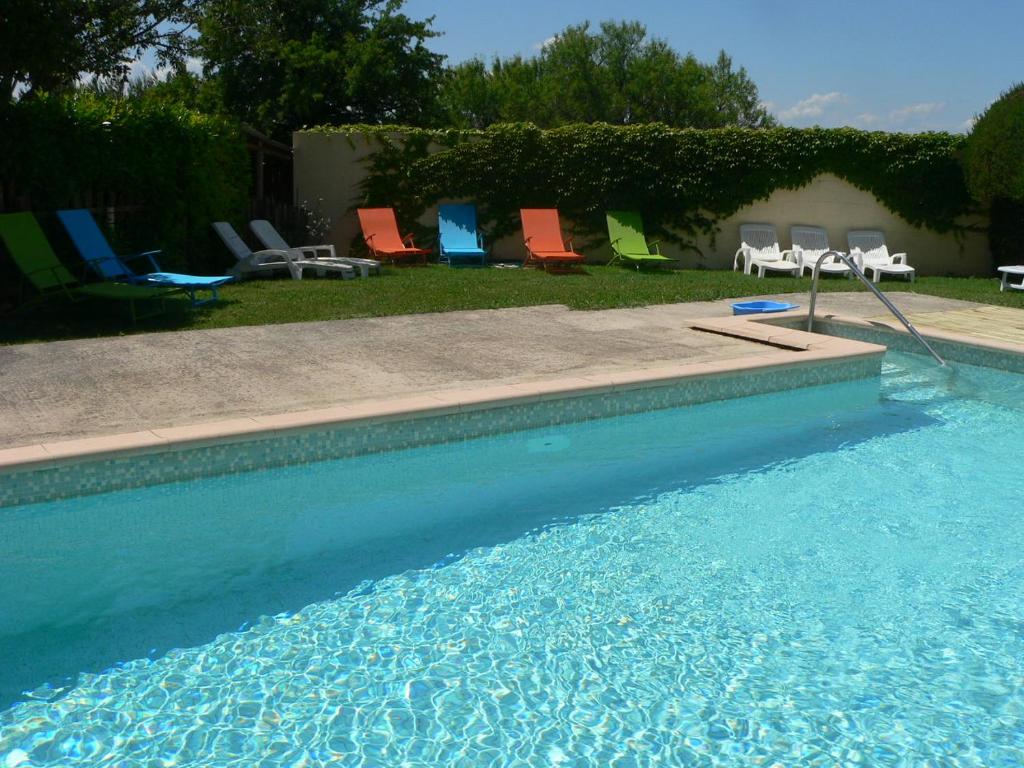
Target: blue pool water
point(831, 576)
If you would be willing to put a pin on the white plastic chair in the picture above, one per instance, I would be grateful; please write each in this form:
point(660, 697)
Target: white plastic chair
point(759, 247)
point(809, 245)
point(253, 262)
point(1005, 273)
point(270, 238)
point(869, 245)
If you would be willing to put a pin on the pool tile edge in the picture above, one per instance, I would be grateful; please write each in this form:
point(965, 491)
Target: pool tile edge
point(440, 403)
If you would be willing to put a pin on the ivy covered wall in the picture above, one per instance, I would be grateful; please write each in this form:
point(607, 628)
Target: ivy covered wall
point(688, 183)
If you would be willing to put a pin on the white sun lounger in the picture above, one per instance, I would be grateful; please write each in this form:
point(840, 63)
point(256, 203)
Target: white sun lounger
point(1005, 273)
point(809, 245)
point(869, 245)
point(759, 247)
point(271, 238)
point(251, 262)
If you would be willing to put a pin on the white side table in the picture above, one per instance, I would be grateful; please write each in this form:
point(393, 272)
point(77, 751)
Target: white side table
point(1006, 273)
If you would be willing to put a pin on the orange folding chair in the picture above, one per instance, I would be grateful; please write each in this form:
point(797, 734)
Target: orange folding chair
point(542, 236)
point(380, 232)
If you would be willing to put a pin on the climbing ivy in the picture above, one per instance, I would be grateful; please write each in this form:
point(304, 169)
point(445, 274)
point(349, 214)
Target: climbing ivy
point(683, 180)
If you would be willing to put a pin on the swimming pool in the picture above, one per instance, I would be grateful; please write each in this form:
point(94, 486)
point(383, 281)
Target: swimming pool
point(815, 577)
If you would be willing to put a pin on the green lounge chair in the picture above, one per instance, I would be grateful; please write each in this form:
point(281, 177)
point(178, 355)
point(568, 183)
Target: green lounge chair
point(626, 232)
point(31, 252)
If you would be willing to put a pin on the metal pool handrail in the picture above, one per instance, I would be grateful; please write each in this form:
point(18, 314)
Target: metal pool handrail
point(849, 262)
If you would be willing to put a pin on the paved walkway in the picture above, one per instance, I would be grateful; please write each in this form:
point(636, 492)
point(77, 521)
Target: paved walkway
point(987, 322)
point(69, 389)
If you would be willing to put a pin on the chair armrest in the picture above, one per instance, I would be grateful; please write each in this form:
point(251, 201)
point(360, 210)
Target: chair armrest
point(407, 238)
point(736, 259)
point(61, 285)
point(480, 239)
point(569, 245)
point(286, 255)
point(656, 244)
point(102, 259)
point(899, 258)
point(150, 255)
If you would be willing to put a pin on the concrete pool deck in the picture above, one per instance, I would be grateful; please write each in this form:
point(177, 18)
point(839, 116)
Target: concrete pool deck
point(157, 386)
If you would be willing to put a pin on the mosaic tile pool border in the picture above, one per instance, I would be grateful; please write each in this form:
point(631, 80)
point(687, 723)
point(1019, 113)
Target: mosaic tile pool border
point(161, 465)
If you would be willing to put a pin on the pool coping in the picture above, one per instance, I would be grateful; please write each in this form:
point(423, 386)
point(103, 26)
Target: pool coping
point(793, 348)
point(770, 328)
point(929, 332)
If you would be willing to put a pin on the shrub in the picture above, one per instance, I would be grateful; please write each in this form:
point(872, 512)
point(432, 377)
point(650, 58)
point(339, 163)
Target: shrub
point(177, 170)
point(994, 164)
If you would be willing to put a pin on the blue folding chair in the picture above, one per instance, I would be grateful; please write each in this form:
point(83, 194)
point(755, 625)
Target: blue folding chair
point(460, 240)
point(93, 247)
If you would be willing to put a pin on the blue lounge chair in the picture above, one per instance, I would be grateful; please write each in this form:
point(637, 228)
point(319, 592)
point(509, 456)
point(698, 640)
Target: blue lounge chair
point(459, 240)
point(94, 248)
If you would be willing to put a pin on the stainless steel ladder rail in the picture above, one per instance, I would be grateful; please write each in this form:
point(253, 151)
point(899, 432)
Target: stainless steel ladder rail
point(859, 273)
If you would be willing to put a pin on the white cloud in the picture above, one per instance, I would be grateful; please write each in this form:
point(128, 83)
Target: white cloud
point(545, 43)
point(913, 111)
point(836, 108)
point(867, 120)
point(813, 106)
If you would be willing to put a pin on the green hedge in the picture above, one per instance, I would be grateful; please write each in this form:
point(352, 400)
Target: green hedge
point(683, 179)
point(994, 162)
point(180, 168)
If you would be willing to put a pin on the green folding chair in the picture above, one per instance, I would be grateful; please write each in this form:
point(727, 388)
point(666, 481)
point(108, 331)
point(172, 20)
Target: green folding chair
point(629, 245)
point(32, 254)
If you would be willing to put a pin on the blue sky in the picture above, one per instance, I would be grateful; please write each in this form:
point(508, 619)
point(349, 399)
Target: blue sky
point(906, 65)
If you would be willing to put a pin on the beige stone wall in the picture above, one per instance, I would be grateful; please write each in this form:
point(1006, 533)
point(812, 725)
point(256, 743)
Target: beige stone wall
point(330, 169)
point(837, 205)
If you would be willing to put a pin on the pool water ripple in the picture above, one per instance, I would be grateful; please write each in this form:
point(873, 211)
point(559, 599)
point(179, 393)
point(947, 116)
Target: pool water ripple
point(858, 606)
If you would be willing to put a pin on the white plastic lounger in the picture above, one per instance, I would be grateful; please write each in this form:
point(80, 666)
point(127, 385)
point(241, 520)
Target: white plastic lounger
point(1005, 273)
point(809, 244)
point(869, 245)
point(759, 247)
point(271, 238)
point(251, 262)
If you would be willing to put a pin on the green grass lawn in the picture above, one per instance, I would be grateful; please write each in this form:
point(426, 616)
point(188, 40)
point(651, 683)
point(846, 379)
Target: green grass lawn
point(440, 289)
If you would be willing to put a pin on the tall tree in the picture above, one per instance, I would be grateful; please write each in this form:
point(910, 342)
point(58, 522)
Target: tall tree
point(283, 64)
point(617, 75)
point(735, 96)
point(47, 45)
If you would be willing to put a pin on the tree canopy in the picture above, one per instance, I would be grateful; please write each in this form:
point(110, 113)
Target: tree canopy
point(994, 166)
point(994, 159)
point(282, 64)
point(48, 45)
point(617, 74)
